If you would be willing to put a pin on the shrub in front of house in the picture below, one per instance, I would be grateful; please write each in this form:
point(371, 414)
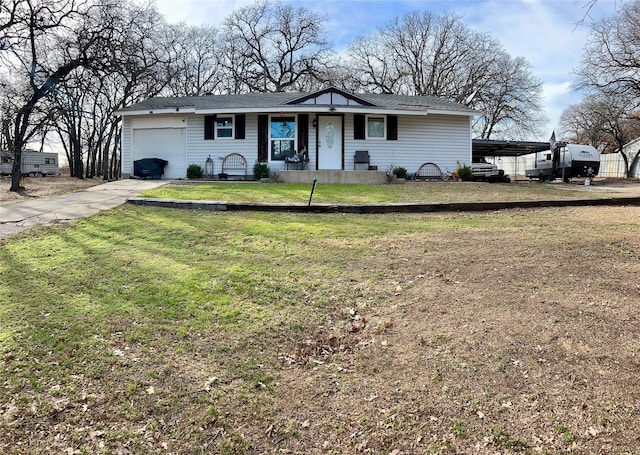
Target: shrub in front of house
point(261, 171)
point(465, 173)
point(194, 171)
point(400, 172)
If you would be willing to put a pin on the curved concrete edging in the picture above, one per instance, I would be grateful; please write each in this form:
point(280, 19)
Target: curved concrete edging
point(378, 208)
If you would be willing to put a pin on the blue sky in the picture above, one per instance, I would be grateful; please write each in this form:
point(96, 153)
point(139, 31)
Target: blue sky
point(545, 32)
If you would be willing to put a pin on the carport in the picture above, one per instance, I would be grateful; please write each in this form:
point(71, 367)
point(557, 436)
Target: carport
point(498, 149)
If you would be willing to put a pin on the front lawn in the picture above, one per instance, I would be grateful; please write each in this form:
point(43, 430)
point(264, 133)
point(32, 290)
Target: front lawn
point(146, 330)
point(410, 192)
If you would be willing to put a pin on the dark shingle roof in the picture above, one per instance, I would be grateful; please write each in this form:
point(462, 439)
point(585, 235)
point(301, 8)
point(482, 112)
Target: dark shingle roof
point(260, 101)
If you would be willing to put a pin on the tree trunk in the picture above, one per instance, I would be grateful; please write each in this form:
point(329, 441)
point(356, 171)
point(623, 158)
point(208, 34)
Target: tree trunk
point(19, 134)
point(106, 171)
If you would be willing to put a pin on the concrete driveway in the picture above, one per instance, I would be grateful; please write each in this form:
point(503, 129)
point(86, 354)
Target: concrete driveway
point(19, 216)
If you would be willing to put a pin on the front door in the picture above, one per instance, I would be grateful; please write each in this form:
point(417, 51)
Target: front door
point(330, 142)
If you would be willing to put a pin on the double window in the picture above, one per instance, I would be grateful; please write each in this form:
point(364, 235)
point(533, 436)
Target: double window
point(282, 137)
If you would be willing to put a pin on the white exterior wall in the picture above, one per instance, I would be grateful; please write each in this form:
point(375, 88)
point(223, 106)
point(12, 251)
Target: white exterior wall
point(440, 139)
point(199, 149)
point(127, 145)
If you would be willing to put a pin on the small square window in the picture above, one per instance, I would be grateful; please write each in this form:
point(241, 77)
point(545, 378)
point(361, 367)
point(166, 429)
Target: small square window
point(224, 126)
point(375, 127)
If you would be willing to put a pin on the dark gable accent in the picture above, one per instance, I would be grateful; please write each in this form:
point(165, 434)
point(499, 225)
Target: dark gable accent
point(358, 126)
point(392, 127)
point(210, 127)
point(240, 120)
point(303, 132)
point(331, 91)
point(263, 138)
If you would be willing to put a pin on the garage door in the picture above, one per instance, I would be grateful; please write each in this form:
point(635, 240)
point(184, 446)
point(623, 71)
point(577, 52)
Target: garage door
point(165, 143)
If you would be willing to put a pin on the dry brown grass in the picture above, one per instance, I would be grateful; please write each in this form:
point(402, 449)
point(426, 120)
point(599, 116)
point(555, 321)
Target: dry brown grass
point(486, 341)
point(43, 187)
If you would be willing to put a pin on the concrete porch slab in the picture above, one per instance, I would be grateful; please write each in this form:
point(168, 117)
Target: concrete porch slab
point(334, 177)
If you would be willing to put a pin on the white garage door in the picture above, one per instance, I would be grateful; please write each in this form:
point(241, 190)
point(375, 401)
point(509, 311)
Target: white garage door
point(165, 143)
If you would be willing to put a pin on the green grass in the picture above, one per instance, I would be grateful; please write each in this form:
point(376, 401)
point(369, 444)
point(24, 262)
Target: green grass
point(410, 192)
point(97, 312)
point(144, 326)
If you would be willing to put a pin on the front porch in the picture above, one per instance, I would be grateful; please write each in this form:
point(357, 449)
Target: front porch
point(359, 177)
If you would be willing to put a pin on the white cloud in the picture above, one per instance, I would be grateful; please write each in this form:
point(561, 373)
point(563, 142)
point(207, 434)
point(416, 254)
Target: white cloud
point(198, 12)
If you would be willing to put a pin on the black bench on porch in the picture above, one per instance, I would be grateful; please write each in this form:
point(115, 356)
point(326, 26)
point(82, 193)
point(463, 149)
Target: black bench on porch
point(298, 161)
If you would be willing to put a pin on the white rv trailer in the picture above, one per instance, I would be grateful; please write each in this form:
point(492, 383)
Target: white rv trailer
point(34, 164)
point(565, 161)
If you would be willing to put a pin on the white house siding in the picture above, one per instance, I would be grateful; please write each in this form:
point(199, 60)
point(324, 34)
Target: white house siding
point(148, 124)
point(127, 136)
point(199, 149)
point(441, 139)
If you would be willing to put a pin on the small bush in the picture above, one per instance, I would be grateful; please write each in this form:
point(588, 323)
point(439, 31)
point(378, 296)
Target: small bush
point(400, 172)
point(261, 171)
point(194, 171)
point(465, 173)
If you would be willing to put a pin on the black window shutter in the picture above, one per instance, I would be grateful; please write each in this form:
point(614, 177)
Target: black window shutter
point(392, 127)
point(303, 132)
point(241, 120)
point(209, 127)
point(263, 138)
point(358, 126)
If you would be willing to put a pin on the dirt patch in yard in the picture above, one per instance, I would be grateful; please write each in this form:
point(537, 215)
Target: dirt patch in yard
point(35, 187)
point(486, 341)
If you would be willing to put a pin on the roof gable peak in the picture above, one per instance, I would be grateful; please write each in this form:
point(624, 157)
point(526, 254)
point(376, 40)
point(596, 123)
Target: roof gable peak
point(332, 96)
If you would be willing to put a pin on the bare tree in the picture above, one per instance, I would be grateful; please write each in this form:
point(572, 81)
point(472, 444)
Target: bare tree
point(195, 57)
point(611, 59)
point(510, 101)
point(581, 126)
point(424, 54)
point(85, 102)
point(273, 47)
point(604, 120)
point(46, 41)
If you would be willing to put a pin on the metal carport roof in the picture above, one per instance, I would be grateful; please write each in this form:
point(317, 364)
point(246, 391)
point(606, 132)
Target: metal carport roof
point(486, 147)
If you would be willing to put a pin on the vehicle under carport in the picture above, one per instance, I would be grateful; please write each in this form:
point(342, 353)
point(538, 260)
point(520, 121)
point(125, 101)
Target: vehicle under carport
point(482, 148)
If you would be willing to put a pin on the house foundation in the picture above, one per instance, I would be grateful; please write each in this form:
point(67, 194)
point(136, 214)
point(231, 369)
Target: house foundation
point(334, 177)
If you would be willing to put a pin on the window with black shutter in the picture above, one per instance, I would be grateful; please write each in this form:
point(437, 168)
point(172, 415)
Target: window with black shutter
point(209, 127)
point(392, 127)
point(358, 126)
point(240, 126)
point(263, 138)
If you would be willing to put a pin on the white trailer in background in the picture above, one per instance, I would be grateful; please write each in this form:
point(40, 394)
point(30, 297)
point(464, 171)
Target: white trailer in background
point(34, 164)
point(565, 162)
